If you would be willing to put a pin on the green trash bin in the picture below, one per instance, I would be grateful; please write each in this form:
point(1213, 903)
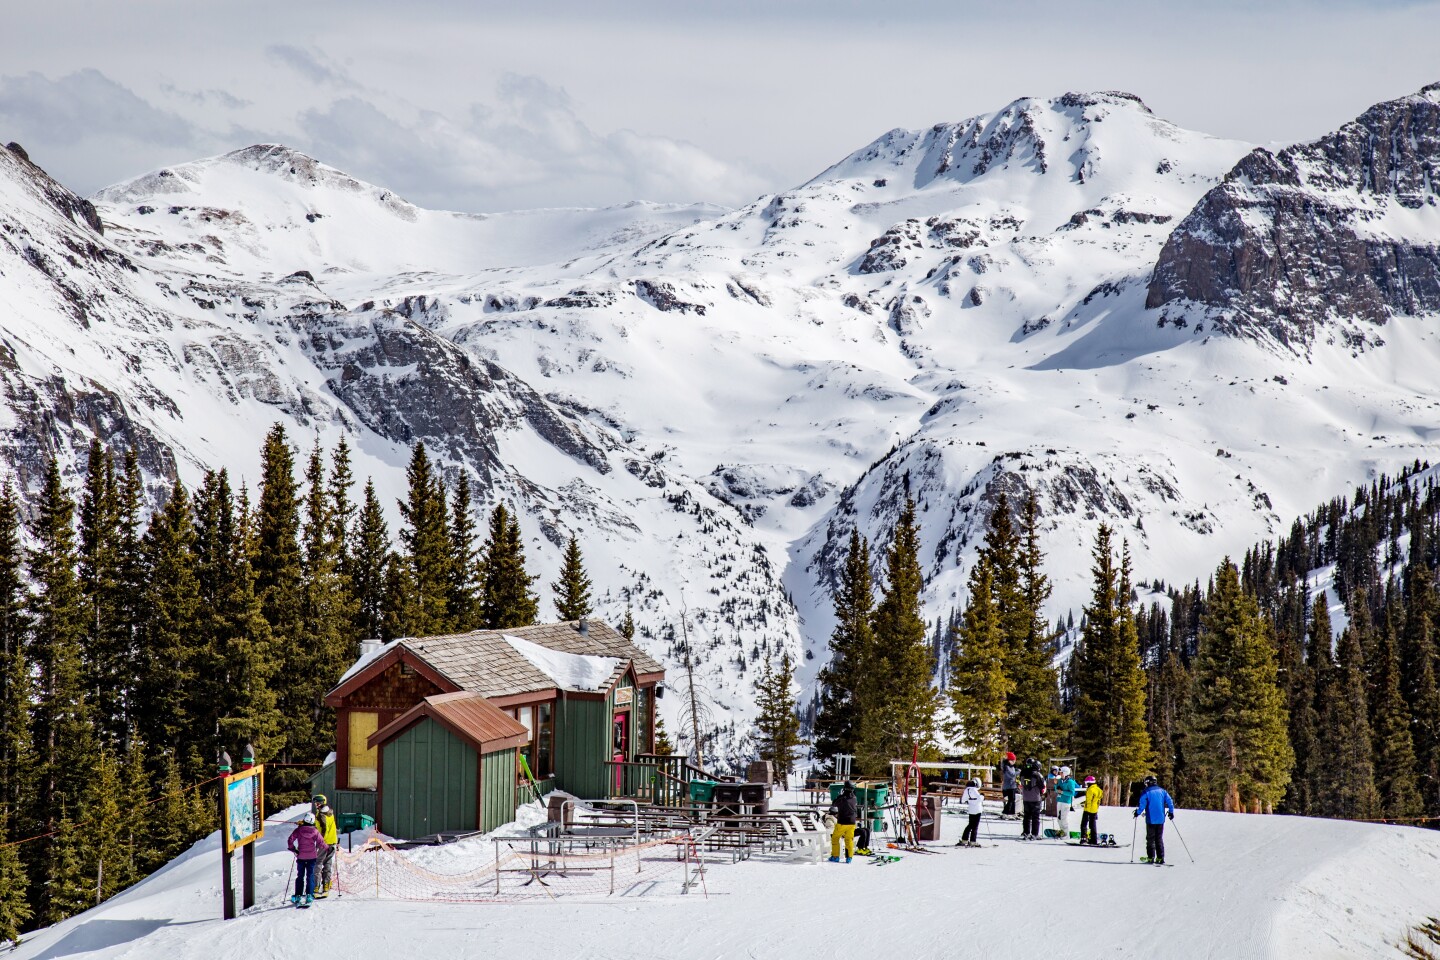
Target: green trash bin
point(347, 822)
point(702, 791)
point(872, 798)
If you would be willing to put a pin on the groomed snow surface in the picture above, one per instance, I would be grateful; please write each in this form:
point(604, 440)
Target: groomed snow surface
point(1273, 887)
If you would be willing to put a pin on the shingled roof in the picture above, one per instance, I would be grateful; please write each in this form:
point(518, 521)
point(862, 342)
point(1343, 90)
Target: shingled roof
point(484, 662)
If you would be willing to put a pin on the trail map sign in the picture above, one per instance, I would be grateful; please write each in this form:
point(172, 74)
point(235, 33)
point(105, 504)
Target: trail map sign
point(243, 796)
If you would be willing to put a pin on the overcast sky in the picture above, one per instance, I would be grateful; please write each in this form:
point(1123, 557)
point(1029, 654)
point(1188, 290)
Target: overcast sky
point(477, 105)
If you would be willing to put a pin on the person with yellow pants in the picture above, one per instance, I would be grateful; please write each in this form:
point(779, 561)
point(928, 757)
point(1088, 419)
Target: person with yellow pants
point(325, 821)
point(846, 811)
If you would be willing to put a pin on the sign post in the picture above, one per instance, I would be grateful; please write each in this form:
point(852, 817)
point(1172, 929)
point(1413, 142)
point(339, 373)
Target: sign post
point(242, 822)
point(227, 885)
point(247, 855)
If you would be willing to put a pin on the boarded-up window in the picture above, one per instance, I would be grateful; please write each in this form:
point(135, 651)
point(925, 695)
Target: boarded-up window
point(363, 774)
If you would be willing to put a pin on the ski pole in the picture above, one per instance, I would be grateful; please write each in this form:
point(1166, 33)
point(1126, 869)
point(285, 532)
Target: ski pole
point(1134, 824)
point(1182, 841)
point(286, 889)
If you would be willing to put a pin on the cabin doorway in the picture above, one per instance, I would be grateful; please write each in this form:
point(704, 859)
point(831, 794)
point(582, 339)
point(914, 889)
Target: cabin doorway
point(621, 745)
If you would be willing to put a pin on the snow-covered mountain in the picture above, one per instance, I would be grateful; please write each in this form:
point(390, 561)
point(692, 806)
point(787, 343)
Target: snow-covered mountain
point(710, 398)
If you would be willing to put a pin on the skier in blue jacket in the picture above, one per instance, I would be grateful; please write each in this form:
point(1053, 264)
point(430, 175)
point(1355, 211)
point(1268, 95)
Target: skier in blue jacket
point(1156, 805)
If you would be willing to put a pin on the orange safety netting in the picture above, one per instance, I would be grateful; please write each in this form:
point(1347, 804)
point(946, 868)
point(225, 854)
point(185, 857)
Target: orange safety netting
point(524, 869)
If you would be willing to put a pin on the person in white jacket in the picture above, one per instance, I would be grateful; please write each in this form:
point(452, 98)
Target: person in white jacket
point(974, 806)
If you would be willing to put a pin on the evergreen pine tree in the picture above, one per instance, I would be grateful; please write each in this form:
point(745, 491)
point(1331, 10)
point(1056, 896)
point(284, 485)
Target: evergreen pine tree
point(328, 615)
point(277, 560)
point(1396, 780)
point(1034, 725)
point(127, 610)
point(17, 759)
point(1110, 735)
point(663, 746)
point(627, 625)
point(427, 549)
point(62, 731)
point(898, 702)
point(1344, 773)
point(463, 602)
point(169, 668)
point(1307, 682)
point(69, 888)
point(167, 823)
point(236, 698)
point(106, 664)
point(371, 551)
point(506, 600)
point(1238, 710)
point(979, 686)
point(572, 590)
point(340, 507)
point(15, 910)
point(105, 854)
point(1418, 656)
point(135, 789)
point(777, 725)
point(838, 713)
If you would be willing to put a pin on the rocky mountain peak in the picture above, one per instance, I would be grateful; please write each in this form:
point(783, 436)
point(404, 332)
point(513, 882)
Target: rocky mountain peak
point(1340, 229)
point(16, 162)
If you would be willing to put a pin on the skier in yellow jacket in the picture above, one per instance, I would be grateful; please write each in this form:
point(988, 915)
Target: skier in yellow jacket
point(325, 821)
point(1091, 814)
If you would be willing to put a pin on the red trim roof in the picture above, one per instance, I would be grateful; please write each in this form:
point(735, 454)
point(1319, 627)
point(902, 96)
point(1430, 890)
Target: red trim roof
point(469, 716)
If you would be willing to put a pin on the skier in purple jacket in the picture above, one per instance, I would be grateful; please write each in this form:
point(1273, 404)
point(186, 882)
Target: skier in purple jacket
point(307, 844)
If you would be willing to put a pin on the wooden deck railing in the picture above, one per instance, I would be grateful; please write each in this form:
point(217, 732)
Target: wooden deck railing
point(653, 778)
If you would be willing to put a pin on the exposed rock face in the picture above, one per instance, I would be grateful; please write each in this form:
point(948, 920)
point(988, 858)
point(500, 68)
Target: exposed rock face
point(1339, 229)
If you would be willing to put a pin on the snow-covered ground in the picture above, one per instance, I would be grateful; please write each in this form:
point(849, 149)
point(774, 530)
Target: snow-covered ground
point(1271, 887)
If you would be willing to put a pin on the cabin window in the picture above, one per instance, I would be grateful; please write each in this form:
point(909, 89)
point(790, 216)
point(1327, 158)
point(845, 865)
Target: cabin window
point(644, 743)
point(407, 669)
point(544, 737)
point(362, 757)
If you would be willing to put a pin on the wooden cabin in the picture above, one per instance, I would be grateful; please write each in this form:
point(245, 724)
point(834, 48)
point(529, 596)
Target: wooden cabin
point(580, 694)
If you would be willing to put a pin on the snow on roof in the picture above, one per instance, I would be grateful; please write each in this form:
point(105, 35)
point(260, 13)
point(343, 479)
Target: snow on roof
point(366, 658)
point(575, 672)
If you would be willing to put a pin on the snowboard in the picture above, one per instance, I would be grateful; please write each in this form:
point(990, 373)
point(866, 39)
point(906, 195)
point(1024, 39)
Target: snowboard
point(1101, 846)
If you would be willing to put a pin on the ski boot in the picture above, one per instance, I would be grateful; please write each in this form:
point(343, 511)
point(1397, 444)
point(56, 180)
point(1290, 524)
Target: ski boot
point(294, 901)
point(1146, 860)
point(834, 859)
point(847, 859)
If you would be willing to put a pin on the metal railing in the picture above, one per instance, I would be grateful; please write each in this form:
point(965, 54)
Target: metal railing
point(663, 781)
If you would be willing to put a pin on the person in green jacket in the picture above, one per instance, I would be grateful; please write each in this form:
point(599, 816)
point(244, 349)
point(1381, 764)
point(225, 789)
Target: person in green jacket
point(1065, 789)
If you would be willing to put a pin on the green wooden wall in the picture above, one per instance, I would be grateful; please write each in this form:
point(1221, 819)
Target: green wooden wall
point(497, 789)
point(429, 783)
point(582, 745)
point(341, 801)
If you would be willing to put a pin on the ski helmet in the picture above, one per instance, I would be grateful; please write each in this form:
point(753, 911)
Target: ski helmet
point(848, 788)
point(308, 818)
point(974, 781)
point(318, 800)
point(1089, 780)
point(1150, 781)
point(1064, 771)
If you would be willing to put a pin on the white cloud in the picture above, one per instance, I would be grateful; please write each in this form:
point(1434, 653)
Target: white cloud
point(527, 147)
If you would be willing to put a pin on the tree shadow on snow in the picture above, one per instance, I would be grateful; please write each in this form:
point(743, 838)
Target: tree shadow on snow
point(99, 934)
